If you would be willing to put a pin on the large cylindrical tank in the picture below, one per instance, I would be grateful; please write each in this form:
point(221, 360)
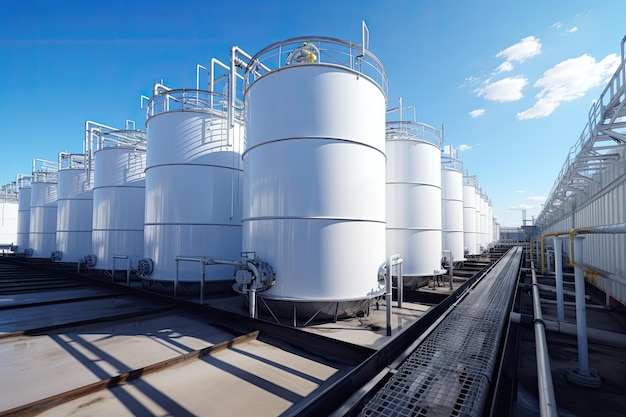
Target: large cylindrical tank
point(194, 187)
point(470, 226)
point(483, 220)
point(414, 198)
point(452, 207)
point(314, 184)
point(118, 205)
point(23, 218)
point(74, 215)
point(43, 215)
point(9, 208)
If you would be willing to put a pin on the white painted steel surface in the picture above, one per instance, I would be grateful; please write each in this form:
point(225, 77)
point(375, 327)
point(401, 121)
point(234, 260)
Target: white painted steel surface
point(483, 221)
point(193, 193)
point(43, 219)
point(314, 186)
point(452, 212)
point(74, 214)
point(8, 221)
point(23, 218)
point(480, 204)
point(118, 205)
point(414, 201)
point(470, 239)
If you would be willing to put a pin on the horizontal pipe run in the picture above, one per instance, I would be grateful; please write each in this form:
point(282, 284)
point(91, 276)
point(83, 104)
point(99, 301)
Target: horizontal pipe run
point(603, 337)
point(547, 400)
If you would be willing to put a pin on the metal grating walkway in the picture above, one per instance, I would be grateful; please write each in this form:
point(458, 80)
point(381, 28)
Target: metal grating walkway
point(450, 373)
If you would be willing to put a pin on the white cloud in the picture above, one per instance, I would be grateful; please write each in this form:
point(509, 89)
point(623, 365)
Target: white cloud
point(568, 81)
point(540, 199)
point(521, 51)
point(504, 90)
point(463, 147)
point(520, 207)
point(477, 113)
point(557, 25)
point(572, 29)
point(506, 66)
point(520, 191)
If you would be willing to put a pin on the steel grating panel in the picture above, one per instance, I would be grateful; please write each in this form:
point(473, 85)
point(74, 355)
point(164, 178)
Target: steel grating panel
point(449, 374)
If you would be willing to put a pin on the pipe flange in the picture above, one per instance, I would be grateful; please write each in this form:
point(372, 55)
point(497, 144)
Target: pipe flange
point(145, 267)
point(89, 260)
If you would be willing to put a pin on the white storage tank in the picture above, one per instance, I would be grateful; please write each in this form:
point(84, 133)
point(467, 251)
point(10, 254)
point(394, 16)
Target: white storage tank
point(8, 216)
point(23, 214)
point(452, 206)
point(118, 200)
point(194, 177)
point(314, 185)
point(484, 238)
point(43, 209)
point(470, 225)
point(479, 225)
point(414, 199)
point(74, 209)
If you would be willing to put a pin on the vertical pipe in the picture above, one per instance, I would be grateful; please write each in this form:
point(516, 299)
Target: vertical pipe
point(176, 278)
point(128, 271)
point(400, 285)
point(581, 314)
point(252, 302)
point(388, 296)
point(202, 276)
point(558, 262)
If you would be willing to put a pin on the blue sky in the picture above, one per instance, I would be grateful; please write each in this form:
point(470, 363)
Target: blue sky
point(511, 81)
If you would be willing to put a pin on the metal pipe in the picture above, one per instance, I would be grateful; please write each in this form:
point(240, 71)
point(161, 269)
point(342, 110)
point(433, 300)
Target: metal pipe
point(581, 314)
point(252, 292)
point(159, 86)
point(388, 296)
point(202, 277)
point(400, 285)
point(392, 260)
point(558, 262)
point(198, 66)
point(212, 73)
point(543, 236)
point(176, 277)
point(603, 337)
point(547, 400)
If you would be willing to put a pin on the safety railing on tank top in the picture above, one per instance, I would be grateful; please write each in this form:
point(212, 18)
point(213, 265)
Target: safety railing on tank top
point(452, 163)
point(45, 171)
point(407, 130)
point(314, 51)
point(124, 138)
point(192, 100)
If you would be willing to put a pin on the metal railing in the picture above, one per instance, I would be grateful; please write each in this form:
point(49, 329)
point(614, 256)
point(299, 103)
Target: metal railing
point(192, 100)
point(321, 50)
point(601, 115)
point(407, 130)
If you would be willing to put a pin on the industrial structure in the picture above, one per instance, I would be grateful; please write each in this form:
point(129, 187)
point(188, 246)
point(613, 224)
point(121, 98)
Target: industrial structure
point(327, 210)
